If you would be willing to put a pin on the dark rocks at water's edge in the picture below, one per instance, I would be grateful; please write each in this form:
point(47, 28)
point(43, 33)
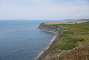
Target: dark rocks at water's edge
point(46, 27)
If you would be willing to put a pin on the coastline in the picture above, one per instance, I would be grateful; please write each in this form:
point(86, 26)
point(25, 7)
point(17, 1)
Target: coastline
point(45, 54)
point(45, 49)
point(53, 40)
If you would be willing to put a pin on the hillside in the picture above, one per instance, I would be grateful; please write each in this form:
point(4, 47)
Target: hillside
point(74, 35)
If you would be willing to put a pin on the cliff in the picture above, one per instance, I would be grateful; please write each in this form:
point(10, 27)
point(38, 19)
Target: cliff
point(64, 46)
point(58, 34)
point(47, 27)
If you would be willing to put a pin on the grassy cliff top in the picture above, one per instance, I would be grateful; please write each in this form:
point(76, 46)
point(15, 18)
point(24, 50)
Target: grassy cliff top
point(73, 35)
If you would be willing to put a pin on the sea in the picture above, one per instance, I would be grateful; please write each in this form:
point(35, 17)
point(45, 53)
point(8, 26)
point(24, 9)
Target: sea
point(22, 39)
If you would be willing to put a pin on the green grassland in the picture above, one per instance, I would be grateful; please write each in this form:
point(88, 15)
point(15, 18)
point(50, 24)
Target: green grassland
point(73, 35)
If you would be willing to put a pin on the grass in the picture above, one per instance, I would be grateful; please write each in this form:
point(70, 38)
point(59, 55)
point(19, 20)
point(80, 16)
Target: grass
point(73, 35)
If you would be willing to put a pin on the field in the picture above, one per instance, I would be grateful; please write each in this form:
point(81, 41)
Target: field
point(73, 35)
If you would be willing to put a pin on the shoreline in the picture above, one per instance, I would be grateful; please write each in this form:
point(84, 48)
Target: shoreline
point(46, 53)
point(50, 43)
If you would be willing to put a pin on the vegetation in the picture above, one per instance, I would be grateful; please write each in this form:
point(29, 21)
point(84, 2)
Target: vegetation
point(73, 35)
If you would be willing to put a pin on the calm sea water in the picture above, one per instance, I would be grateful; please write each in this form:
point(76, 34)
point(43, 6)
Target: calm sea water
point(22, 40)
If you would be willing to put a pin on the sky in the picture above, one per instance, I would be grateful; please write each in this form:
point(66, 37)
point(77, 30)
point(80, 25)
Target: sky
point(43, 9)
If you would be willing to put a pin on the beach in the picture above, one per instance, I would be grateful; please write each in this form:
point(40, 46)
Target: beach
point(44, 52)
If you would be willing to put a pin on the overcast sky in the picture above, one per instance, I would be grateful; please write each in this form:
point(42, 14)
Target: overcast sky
point(43, 9)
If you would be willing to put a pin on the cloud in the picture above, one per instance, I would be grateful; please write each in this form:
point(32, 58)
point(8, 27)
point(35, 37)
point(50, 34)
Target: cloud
point(42, 9)
point(70, 2)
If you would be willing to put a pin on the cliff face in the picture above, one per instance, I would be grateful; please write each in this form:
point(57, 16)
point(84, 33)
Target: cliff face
point(43, 26)
point(48, 53)
point(78, 53)
point(64, 46)
point(47, 27)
